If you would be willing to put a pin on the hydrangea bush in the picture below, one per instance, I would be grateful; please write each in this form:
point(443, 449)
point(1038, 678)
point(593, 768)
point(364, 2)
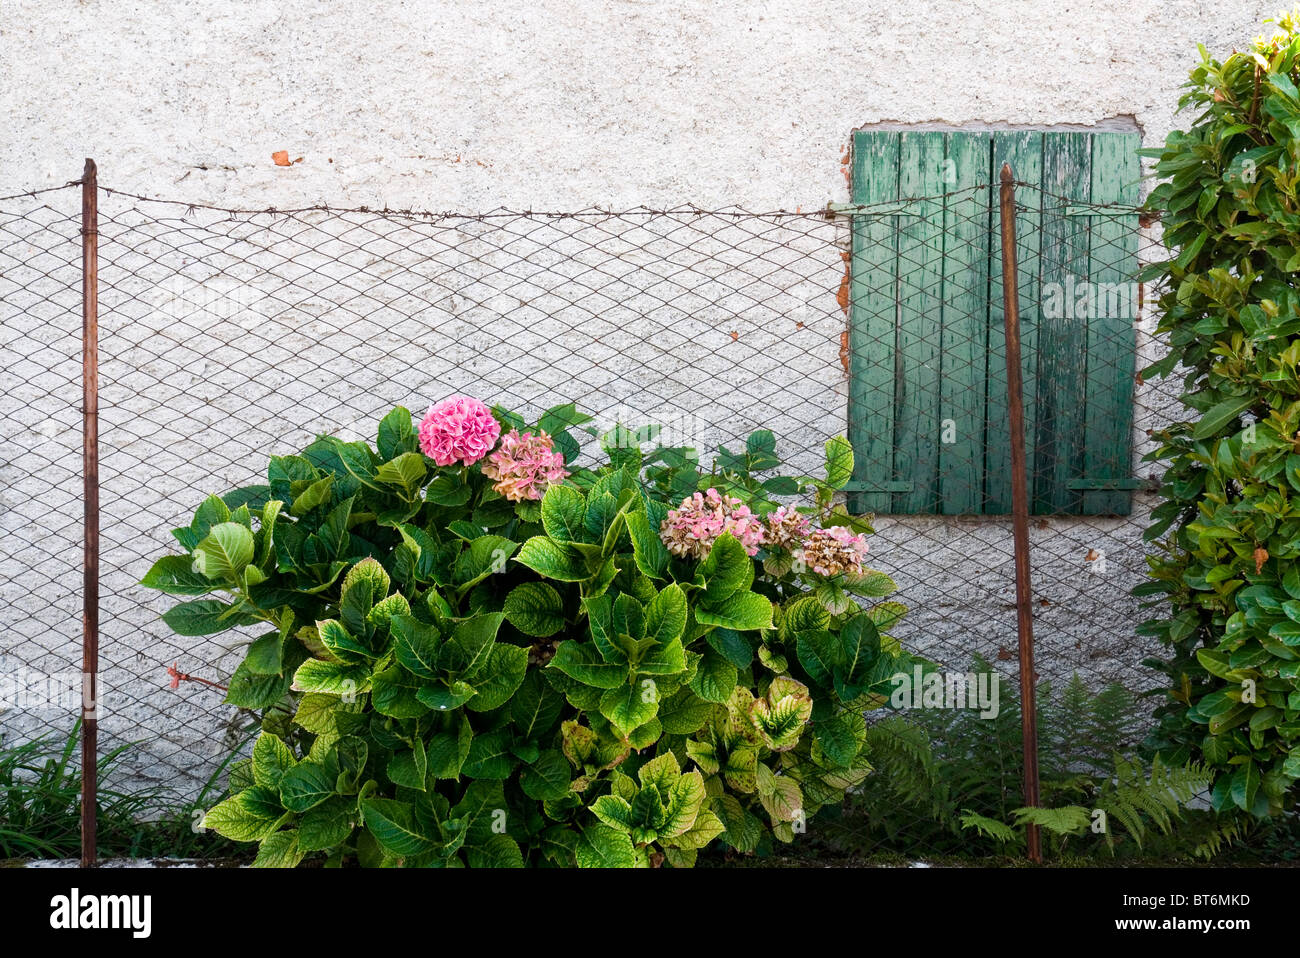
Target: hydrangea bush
point(475, 651)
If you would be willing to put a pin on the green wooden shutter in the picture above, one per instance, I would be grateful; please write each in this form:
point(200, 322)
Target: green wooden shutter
point(927, 402)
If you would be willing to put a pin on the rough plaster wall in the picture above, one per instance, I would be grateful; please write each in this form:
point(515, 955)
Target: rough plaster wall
point(544, 105)
point(548, 104)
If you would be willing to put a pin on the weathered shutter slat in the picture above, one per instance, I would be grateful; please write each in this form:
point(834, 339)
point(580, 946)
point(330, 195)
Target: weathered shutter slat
point(920, 292)
point(1024, 151)
point(926, 325)
point(1062, 339)
point(1111, 336)
point(965, 324)
point(873, 319)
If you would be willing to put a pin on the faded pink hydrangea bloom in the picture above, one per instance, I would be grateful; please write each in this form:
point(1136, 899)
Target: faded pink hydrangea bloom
point(458, 429)
point(786, 528)
point(690, 529)
point(525, 465)
point(833, 551)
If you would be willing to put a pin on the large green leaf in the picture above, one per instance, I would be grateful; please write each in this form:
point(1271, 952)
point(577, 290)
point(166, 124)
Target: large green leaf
point(490, 756)
point(648, 550)
point(396, 827)
point(582, 663)
point(629, 706)
point(715, 677)
point(397, 434)
point(685, 800)
point(684, 713)
point(839, 462)
point(1214, 421)
point(448, 490)
point(265, 655)
point(819, 653)
point(416, 645)
point(668, 659)
point(733, 645)
point(743, 611)
point(335, 678)
point(506, 666)
point(176, 575)
point(553, 560)
point(313, 497)
point(840, 737)
point(328, 824)
point(443, 696)
point(564, 510)
point(340, 643)
point(547, 778)
point(280, 850)
point(248, 816)
point(861, 648)
point(271, 759)
point(499, 851)
point(248, 690)
point(305, 786)
point(466, 653)
point(395, 692)
point(605, 847)
point(536, 706)
point(1245, 784)
point(486, 555)
point(410, 767)
point(405, 473)
point(743, 831)
point(209, 514)
point(665, 616)
point(205, 617)
point(447, 751)
point(726, 570)
point(535, 608)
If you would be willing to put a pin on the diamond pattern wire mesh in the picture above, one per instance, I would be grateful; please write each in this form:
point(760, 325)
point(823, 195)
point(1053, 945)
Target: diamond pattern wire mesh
point(40, 458)
point(227, 336)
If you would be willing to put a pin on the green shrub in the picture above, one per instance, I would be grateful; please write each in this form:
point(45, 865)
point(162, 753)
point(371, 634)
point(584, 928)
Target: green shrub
point(454, 677)
point(1227, 536)
point(950, 782)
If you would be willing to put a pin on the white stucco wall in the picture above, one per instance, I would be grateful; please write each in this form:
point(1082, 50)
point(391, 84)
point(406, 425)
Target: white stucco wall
point(556, 104)
point(537, 105)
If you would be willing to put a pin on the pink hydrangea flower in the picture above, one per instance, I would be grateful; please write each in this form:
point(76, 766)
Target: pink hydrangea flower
point(833, 551)
point(458, 429)
point(786, 528)
point(690, 529)
point(525, 465)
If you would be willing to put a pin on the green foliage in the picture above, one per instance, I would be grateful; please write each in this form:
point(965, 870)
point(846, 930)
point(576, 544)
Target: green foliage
point(1225, 582)
point(948, 781)
point(478, 681)
point(1129, 802)
point(40, 808)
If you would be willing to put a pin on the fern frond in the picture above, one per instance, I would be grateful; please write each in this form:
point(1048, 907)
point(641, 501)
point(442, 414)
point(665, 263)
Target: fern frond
point(1066, 820)
point(989, 827)
point(1222, 833)
point(1133, 798)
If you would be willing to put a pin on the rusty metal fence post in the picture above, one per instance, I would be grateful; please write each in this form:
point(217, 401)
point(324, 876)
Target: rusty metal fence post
point(1020, 505)
point(90, 475)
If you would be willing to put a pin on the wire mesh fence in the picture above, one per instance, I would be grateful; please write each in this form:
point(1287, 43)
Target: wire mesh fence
point(228, 336)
